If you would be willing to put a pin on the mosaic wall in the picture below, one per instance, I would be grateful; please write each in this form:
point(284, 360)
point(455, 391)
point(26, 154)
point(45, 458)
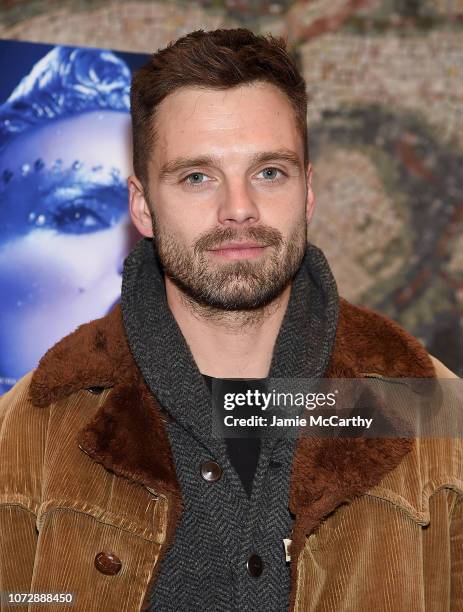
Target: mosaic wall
point(386, 131)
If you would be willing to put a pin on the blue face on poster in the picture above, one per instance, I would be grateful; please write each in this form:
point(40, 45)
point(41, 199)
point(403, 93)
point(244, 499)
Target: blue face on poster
point(64, 228)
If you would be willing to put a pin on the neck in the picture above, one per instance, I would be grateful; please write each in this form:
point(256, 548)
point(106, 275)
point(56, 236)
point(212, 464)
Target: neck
point(228, 344)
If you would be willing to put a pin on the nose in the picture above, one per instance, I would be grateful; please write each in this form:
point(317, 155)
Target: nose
point(237, 205)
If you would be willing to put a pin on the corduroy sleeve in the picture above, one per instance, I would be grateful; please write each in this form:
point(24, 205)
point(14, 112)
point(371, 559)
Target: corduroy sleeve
point(21, 435)
point(456, 551)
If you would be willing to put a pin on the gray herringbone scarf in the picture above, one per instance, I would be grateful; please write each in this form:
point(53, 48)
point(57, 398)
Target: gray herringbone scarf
point(204, 569)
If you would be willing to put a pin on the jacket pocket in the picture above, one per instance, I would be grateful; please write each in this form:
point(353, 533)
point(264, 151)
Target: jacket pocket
point(104, 560)
point(149, 526)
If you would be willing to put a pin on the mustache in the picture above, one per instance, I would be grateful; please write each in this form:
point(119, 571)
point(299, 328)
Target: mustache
point(263, 235)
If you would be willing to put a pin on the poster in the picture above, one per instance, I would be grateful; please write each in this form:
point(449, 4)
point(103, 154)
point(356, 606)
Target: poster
point(65, 154)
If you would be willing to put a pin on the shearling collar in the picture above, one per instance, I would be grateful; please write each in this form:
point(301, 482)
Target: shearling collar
point(127, 434)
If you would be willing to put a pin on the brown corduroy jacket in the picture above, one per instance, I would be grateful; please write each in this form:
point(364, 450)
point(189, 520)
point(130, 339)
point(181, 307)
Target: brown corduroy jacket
point(89, 498)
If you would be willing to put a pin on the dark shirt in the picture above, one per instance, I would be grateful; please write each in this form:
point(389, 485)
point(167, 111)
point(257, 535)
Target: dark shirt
point(242, 452)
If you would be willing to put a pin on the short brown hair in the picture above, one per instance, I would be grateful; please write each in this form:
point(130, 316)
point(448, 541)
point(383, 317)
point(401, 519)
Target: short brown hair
point(218, 59)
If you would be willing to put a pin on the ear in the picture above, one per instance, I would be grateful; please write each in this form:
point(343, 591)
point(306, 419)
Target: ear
point(310, 194)
point(138, 207)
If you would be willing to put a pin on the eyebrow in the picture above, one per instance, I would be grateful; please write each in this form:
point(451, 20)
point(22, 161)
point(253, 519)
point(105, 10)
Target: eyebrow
point(182, 163)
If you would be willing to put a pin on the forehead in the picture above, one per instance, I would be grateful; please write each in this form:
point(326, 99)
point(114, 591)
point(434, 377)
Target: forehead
point(92, 138)
point(197, 120)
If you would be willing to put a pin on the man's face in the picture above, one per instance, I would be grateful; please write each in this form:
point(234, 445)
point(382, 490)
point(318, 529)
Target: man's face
point(227, 167)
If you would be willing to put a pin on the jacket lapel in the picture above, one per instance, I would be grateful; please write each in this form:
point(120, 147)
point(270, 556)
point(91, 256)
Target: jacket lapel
point(330, 471)
point(127, 434)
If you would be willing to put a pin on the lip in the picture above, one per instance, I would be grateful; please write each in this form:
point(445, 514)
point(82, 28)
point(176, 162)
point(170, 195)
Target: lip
point(239, 250)
point(239, 245)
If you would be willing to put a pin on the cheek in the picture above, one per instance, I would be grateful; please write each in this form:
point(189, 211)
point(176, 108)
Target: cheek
point(283, 205)
point(288, 216)
point(185, 224)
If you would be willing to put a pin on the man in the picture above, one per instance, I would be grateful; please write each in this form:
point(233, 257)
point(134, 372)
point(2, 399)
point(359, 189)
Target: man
point(114, 488)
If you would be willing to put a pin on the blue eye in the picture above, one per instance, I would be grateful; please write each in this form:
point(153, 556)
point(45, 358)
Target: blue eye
point(78, 219)
point(271, 170)
point(65, 202)
point(193, 174)
point(79, 216)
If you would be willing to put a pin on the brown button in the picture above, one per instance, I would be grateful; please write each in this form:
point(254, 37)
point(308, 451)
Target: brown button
point(211, 471)
point(255, 565)
point(107, 563)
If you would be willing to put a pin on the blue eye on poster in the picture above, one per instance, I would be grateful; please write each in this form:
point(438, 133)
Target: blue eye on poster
point(65, 154)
